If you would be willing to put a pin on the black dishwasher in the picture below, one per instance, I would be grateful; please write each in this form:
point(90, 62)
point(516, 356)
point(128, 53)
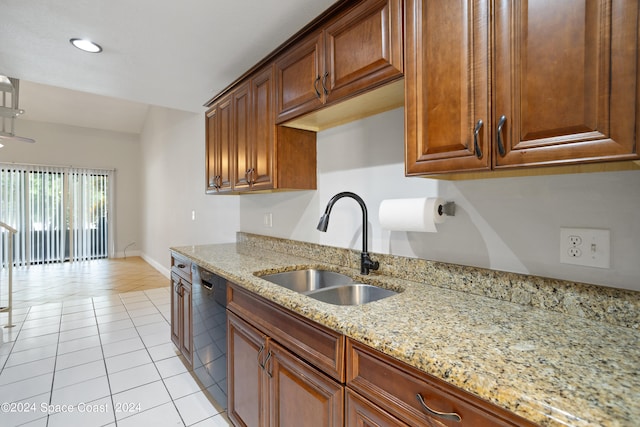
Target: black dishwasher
point(209, 302)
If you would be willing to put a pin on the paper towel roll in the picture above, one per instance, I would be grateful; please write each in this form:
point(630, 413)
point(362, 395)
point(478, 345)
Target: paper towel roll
point(411, 214)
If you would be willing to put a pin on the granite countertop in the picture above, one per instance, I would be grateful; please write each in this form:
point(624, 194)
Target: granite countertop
point(548, 367)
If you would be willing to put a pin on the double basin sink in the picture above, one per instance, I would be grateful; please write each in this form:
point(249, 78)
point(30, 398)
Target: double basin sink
point(329, 286)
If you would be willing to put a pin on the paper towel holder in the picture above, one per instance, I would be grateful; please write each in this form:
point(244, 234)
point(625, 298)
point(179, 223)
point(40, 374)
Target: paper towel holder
point(448, 209)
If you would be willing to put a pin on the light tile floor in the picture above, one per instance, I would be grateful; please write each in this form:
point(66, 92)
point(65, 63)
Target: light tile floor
point(98, 361)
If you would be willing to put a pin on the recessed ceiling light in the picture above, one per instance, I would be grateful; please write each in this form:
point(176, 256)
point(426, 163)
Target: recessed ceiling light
point(86, 45)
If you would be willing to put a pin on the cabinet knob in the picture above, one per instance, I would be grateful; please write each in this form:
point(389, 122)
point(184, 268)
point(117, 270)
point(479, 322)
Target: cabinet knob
point(181, 266)
point(501, 123)
point(476, 146)
point(451, 416)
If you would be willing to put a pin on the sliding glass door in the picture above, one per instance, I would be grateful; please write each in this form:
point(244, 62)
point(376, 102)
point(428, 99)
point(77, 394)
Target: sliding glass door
point(60, 213)
point(88, 214)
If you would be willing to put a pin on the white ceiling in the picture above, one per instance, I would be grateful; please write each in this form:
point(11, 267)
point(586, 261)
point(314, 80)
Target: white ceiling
point(174, 54)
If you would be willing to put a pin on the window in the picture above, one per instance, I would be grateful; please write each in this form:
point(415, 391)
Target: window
point(60, 213)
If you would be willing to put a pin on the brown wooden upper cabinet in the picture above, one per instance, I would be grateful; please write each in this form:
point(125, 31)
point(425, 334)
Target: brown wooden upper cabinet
point(219, 146)
point(354, 52)
point(246, 151)
point(503, 84)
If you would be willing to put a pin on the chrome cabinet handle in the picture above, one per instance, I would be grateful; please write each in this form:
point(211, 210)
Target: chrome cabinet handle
point(476, 131)
point(315, 86)
point(501, 123)
point(324, 83)
point(452, 416)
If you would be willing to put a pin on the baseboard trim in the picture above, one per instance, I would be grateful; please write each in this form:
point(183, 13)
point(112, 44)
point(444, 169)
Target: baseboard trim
point(129, 254)
point(166, 272)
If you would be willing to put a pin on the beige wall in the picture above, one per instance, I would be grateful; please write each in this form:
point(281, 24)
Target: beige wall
point(172, 187)
point(62, 145)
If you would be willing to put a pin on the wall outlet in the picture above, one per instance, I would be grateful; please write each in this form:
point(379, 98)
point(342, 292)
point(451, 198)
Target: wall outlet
point(589, 247)
point(267, 220)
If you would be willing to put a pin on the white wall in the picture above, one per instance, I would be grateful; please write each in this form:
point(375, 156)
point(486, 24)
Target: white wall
point(63, 145)
point(510, 224)
point(172, 186)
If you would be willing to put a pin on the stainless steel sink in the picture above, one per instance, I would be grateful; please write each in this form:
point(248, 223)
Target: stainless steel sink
point(307, 280)
point(328, 286)
point(352, 294)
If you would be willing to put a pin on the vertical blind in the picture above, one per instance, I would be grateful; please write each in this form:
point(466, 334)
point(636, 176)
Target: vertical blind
point(60, 213)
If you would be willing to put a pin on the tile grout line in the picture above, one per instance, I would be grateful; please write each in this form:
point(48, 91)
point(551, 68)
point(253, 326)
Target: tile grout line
point(173, 402)
point(104, 362)
point(55, 363)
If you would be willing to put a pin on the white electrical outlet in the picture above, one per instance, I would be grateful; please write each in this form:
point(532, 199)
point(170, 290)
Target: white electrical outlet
point(585, 246)
point(267, 220)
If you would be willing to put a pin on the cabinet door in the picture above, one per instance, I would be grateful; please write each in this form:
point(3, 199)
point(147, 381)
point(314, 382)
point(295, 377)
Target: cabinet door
point(565, 81)
point(363, 49)
point(219, 147)
point(181, 318)
point(186, 337)
point(242, 138)
point(176, 302)
point(263, 130)
point(299, 394)
point(211, 147)
point(246, 380)
point(299, 75)
point(359, 412)
point(447, 115)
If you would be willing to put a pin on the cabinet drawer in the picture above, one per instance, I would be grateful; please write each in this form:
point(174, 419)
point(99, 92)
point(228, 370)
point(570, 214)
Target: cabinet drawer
point(394, 386)
point(319, 346)
point(181, 266)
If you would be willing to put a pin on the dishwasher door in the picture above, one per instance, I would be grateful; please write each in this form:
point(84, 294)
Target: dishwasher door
point(209, 300)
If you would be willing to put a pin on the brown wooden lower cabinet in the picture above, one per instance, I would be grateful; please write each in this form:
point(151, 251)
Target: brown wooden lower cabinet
point(300, 394)
point(269, 386)
point(246, 378)
point(284, 370)
point(359, 412)
point(181, 316)
point(416, 398)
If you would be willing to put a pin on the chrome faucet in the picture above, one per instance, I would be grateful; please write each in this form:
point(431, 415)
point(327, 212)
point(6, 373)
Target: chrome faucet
point(366, 263)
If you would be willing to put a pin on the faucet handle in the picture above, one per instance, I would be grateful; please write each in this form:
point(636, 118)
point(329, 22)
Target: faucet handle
point(367, 264)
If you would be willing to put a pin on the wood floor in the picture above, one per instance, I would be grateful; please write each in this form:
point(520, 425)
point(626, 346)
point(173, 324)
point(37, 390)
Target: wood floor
point(41, 284)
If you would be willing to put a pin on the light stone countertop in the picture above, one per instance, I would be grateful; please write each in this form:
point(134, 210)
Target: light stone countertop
point(551, 368)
